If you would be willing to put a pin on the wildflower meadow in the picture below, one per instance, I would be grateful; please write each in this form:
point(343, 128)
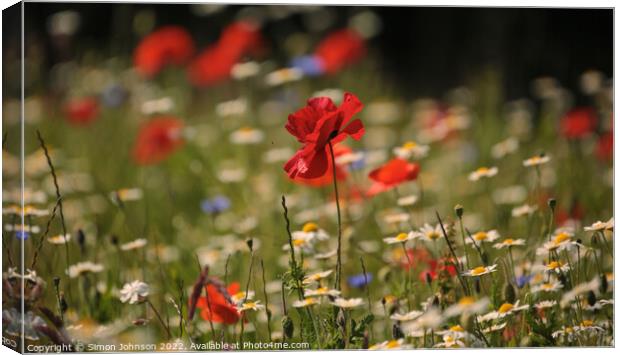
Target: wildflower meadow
point(190, 194)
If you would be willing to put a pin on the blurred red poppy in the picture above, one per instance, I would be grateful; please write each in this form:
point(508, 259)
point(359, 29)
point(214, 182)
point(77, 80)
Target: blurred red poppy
point(157, 139)
point(81, 111)
point(214, 64)
point(168, 45)
point(340, 49)
point(316, 125)
point(578, 123)
point(605, 146)
point(218, 308)
point(392, 174)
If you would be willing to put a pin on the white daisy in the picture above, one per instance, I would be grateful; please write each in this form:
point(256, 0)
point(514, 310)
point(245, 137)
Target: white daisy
point(548, 287)
point(407, 200)
point(467, 305)
point(599, 226)
point(536, 160)
point(505, 147)
point(306, 302)
point(504, 310)
point(317, 276)
point(524, 210)
point(59, 239)
point(247, 135)
point(481, 270)
point(134, 292)
point(321, 291)
point(429, 232)
point(483, 237)
point(482, 172)
point(400, 238)
point(83, 267)
point(283, 76)
point(407, 316)
point(134, 244)
point(411, 149)
point(509, 242)
point(348, 303)
point(250, 306)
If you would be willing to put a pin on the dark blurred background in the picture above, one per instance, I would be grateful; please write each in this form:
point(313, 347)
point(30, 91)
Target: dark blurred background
point(425, 50)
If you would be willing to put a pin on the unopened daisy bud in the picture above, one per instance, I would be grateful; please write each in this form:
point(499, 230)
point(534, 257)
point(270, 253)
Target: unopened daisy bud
point(114, 239)
point(477, 284)
point(591, 298)
point(397, 331)
point(287, 327)
point(458, 209)
point(509, 293)
point(250, 244)
point(579, 242)
point(63, 303)
point(56, 282)
point(552, 202)
point(81, 239)
point(603, 284)
point(429, 278)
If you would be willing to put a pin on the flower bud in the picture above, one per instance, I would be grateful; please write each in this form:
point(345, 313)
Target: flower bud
point(458, 209)
point(287, 327)
point(552, 202)
point(397, 331)
point(509, 293)
point(603, 284)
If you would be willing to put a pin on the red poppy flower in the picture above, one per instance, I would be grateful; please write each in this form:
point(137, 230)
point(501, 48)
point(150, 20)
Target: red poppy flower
point(157, 139)
point(317, 124)
point(214, 64)
point(339, 49)
point(578, 123)
point(605, 146)
point(220, 310)
point(81, 111)
point(392, 174)
point(168, 45)
point(327, 178)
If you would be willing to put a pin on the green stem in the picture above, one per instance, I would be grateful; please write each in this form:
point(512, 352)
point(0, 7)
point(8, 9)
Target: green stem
point(339, 250)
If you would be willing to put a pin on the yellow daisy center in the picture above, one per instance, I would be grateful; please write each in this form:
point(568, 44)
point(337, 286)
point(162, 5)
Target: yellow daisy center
point(554, 265)
point(392, 344)
point(402, 237)
point(568, 330)
point(410, 145)
point(480, 236)
point(546, 286)
point(505, 308)
point(389, 299)
point(457, 328)
point(299, 242)
point(465, 301)
point(479, 270)
point(562, 237)
point(249, 304)
point(321, 290)
point(587, 323)
point(432, 235)
point(509, 241)
point(310, 227)
point(482, 170)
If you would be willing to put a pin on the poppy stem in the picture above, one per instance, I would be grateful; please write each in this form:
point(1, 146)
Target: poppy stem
point(339, 250)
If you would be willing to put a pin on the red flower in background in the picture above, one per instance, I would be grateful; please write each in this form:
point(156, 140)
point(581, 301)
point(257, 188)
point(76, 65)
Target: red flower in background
point(339, 49)
point(221, 310)
point(392, 174)
point(214, 64)
point(578, 123)
point(81, 111)
point(317, 124)
point(605, 146)
point(168, 45)
point(157, 139)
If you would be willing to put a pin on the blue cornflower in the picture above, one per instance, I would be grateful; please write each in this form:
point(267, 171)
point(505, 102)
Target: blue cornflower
point(309, 65)
point(359, 281)
point(215, 205)
point(523, 280)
